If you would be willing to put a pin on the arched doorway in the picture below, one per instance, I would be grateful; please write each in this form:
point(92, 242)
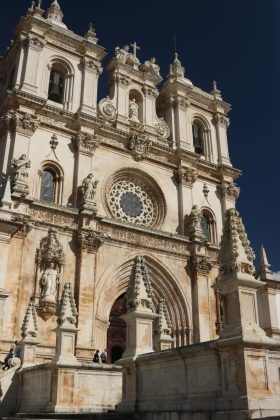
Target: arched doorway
point(116, 338)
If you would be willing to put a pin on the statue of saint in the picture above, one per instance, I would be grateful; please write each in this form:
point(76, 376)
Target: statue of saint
point(133, 110)
point(20, 167)
point(49, 281)
point(122, 53)
point(89, 187)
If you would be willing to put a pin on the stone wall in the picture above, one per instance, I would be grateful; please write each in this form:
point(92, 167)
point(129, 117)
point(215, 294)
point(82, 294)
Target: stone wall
point(65, 388)
point(207, 381)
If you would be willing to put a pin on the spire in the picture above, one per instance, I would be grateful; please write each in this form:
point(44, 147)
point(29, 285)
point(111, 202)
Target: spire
point(163, 324)
point(236, 256)
point(29, 328)
point(215, 91)
point(55, 14)
point(139, 293)
point(6, 200)
point(67, 310)
point(265, 272)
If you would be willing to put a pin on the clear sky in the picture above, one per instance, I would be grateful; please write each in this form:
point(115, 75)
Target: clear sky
point(237, 43)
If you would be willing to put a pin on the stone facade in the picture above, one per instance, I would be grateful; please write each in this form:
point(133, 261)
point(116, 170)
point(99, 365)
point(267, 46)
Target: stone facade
point(89, 185)
point(114, 210)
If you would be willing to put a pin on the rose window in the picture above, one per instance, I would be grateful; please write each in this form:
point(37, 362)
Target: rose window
point(131, 203)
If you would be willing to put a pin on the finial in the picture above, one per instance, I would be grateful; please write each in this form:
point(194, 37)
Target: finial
point(236, 257)
point(39, 4)
point(91, 34)
point(176, 59)
point(215, 91)
point(265, 272)
point(55, 14)
point(90, 27)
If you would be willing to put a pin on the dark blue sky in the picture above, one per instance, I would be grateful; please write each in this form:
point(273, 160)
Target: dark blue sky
point(235, 42)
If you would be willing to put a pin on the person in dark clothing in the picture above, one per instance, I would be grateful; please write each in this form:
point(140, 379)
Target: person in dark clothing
point(96, 357)
point(103, 356)
point(9, 356)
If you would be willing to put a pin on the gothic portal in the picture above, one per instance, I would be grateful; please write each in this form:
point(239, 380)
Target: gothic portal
point(90, 188)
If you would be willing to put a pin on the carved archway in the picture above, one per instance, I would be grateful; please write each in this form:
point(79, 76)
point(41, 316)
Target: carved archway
point(116, 335)
point(114, 283)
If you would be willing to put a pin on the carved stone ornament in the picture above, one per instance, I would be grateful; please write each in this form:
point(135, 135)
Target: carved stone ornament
point(163, 325)
point(235, 256)
point(220, 119)
point(229, 191)
point(29, 328)
point(124, 56)
point(90, 241)
point(162, 128)
point(199, 264)
point(86, 143)
point(20, 167)
point(91, 65)
point(67, 311)
point(194, 226)
point(50, 259)
point(140, 146)
point(107, 109)
point(24, 123)
point(139, 294)
point(34, 41)
point(151, 67)
point(187, 176)
point(89, 187)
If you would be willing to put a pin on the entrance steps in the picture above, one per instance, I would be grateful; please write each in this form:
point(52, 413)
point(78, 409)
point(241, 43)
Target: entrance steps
point(74, 416)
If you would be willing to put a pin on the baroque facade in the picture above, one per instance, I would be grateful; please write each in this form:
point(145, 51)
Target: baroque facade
point(89, 185)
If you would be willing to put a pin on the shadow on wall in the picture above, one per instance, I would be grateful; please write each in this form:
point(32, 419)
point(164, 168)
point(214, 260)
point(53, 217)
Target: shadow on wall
point(9, 390)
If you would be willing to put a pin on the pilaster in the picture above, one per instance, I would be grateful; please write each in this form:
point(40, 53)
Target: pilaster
point(199, 268)
point(88, 243)
point(91, 70)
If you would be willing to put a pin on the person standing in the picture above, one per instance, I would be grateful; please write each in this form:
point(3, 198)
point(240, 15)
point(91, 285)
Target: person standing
point(9, 356)
point(104, 356)
point(96, 357)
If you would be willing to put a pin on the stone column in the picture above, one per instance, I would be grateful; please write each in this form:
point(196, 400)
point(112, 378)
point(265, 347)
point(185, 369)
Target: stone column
point(199, 268)
point(185, 176)
point(220, 122)
point(33, 45)
point(6, 230)
point(88, 244)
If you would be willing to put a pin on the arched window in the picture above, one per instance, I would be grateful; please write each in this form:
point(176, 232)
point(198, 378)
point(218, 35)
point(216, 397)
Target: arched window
point(56, 86)
point(60, 83)
point(208, 226)
point(51, 184)
point(47, 186)
point(198, 137)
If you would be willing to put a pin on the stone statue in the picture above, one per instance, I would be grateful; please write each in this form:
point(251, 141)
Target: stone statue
point(49, 281)
point(121, 53)
point(152, 67)
point(133, 110)
point(89, 187)
point(20, 167)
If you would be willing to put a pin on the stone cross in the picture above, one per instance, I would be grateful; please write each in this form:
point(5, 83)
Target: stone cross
point(135, 48)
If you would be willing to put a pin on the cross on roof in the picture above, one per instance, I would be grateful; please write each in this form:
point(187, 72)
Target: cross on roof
point(135, 48)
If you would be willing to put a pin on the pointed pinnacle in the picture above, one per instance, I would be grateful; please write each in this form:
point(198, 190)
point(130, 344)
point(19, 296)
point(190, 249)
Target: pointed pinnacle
point(265, 271)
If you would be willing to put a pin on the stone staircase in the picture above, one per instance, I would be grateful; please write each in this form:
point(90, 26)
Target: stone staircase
point(61, 416)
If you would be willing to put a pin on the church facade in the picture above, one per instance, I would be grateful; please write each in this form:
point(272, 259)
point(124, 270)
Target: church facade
point(88, 185)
